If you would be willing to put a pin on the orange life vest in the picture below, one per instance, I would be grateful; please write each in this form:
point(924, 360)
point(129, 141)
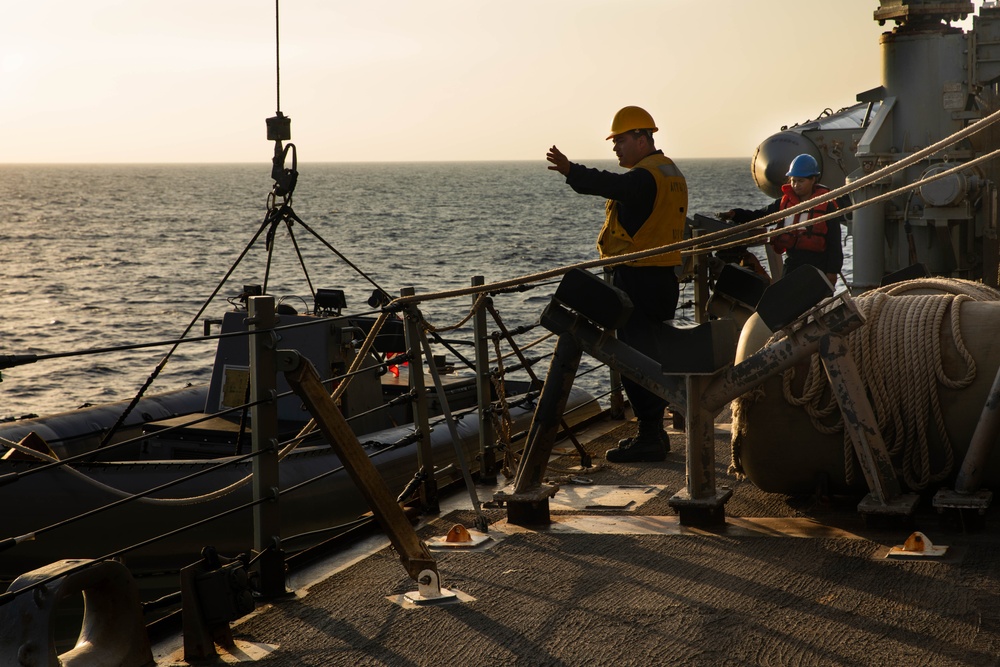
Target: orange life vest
point(811, 238)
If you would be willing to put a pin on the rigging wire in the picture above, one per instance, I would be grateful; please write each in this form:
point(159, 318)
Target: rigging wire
point(10, 542)
point(163, 362)
point(11, 360)
point(65, 462)
point(302, 262)
point(275, 216)
point(687, 244)
point(142, 496)
point(291, 214)
point(10, 596)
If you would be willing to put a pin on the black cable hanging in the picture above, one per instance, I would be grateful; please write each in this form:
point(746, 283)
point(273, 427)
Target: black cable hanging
point(166, 357)
point(279, 209)
point(278, 129)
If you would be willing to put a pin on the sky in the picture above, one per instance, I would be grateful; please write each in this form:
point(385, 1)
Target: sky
point(407, 80)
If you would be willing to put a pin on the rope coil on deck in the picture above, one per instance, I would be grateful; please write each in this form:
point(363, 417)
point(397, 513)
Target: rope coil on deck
point(900, 356)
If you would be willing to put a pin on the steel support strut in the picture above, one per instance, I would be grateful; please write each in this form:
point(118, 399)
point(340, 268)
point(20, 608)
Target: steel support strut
point(862, 428)
point(304, 381)
point(703, 390)
point(585, 461)
point(460, 456)
point(529, 504)
point(700, 502)
point(968, 493)
point(421, 411)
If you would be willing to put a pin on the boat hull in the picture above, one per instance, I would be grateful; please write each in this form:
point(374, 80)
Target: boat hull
point(47, 497)
point(78, 431)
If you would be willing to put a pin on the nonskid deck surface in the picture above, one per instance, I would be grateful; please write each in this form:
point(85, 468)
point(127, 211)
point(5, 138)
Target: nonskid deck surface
point(786, 582)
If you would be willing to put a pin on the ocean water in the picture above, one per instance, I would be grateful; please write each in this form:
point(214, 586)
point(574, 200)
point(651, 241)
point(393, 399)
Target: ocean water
point(95, 256)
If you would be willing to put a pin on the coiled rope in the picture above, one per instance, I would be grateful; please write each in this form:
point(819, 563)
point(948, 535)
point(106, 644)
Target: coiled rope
point(899, 355)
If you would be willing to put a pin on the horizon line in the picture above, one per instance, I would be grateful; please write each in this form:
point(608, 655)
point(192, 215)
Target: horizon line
point(267, 163)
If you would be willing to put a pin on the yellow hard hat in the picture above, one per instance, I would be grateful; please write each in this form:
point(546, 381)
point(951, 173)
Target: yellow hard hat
point(631, 118)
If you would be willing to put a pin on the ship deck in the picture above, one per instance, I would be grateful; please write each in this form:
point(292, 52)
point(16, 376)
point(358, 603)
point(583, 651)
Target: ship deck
point(617, 580)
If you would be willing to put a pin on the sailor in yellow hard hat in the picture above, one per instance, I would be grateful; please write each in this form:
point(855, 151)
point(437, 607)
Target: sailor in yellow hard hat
point(646, 208)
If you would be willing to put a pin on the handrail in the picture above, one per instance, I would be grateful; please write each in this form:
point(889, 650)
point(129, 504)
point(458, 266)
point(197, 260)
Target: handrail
point(688, 244)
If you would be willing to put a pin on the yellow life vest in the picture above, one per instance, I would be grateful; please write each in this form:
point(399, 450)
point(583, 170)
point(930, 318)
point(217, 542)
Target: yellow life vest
point(665, 225)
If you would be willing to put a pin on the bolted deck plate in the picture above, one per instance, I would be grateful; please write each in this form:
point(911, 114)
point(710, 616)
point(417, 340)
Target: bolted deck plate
point(708, 511)
point(948, 499)
point(413, 600)
point(604, 496)
point(902, 505)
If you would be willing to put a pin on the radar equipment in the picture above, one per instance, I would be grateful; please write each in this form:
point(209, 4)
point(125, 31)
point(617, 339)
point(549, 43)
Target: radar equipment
point(951, 226)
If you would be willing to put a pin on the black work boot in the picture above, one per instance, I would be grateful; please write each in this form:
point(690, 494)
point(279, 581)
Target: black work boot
point(651, 444)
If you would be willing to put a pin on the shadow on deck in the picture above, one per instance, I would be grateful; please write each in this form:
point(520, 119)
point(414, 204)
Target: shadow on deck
point(787, 581)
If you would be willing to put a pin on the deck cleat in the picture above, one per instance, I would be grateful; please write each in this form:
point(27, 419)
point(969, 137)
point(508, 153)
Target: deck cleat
point(917, 545)
point(459, 537)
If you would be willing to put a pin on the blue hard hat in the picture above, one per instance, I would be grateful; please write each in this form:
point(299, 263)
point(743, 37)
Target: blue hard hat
point(803, 166)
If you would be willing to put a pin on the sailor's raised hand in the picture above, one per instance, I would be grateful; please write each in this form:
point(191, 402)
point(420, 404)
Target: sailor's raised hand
point(559, 161)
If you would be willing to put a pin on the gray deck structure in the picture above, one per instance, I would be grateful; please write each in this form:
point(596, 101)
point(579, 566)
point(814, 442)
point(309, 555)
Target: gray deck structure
point(787, 581)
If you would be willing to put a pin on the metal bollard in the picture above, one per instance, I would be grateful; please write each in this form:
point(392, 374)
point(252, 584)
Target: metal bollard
point(112, 633)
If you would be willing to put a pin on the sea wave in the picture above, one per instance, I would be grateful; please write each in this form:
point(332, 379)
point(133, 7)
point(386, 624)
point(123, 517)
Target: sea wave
point(117, 254)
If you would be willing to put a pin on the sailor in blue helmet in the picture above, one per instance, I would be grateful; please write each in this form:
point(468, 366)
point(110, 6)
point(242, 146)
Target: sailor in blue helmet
point(646, 208)
point(818, 245)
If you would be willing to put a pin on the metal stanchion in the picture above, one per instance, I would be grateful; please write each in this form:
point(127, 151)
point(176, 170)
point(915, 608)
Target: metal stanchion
point(421, 411)
point(264, 416)
point(487, 450)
